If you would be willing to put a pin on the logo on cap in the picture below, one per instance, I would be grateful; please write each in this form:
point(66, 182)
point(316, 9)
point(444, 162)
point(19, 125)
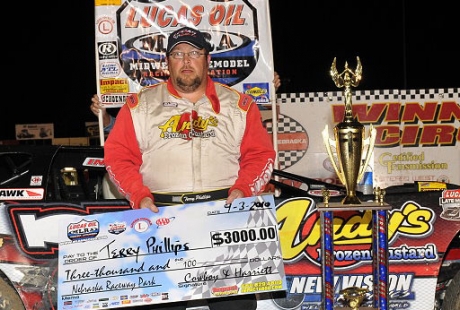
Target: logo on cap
point(187, 35)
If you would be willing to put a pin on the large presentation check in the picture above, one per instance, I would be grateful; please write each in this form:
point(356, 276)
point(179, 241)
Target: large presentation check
point(184, 252)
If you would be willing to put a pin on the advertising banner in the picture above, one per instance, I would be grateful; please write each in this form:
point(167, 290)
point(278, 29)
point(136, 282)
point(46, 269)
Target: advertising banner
point(34, 131)
point(131, 40)
point(418, 136)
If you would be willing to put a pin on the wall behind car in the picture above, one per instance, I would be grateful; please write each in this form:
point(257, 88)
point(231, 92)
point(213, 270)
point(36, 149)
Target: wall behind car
point(402, 45)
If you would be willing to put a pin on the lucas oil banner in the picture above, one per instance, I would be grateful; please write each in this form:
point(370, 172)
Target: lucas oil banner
point(131, 40)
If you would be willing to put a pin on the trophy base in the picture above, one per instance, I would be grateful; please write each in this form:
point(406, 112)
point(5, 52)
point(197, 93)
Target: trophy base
point(351, 200)
point(338, 206)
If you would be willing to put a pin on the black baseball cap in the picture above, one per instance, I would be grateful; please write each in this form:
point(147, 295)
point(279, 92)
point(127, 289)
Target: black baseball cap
point(190, 36)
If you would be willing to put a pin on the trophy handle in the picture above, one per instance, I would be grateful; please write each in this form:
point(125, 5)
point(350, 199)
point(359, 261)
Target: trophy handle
point(327, 142)
point(370, 142)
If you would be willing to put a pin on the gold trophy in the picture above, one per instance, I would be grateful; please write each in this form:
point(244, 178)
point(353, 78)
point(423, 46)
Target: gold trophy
point(354, 296)
point(349, 140)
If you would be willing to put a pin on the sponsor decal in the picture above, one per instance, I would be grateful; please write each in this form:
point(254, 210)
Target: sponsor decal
point(180, 126)
point(425, 186)
point(306, 289)
point(144, 29)
point(450, 203)
point(406, 161)
point(163, 221)
point(258, 91)
point(21, 193)
point(109, 69)
point(141, 224)
point(261, 286)
point(117, 228)
point(226, 290)
point(82, 230)
point(29, 218)
point(105, 25)
point(300, 234)
point(410, 125)
point(114, 99)
point(107, 50)
point(170, 104)
point(36, 180)
point(293, 140)
point(114, 90)
point(94, 162)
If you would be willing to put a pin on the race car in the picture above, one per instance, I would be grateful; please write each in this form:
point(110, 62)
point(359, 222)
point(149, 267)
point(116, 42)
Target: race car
point(40, 186)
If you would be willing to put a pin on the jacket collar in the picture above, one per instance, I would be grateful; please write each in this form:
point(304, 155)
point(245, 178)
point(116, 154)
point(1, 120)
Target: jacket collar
point(210, 93)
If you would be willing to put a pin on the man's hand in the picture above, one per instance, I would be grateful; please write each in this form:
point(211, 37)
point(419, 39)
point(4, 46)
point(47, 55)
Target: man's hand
point(277, 81)
point(147, 202)
point(96, 107)
point(235, 194)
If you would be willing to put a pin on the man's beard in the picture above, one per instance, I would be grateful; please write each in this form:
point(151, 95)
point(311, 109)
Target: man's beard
point(188, 86)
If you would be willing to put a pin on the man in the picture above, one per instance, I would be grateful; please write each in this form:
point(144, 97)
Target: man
point(189, 135)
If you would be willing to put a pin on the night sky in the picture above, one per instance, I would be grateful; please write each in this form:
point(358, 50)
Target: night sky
point(401, 44)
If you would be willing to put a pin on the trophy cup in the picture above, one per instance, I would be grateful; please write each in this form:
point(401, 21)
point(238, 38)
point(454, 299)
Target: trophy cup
point(349, 140)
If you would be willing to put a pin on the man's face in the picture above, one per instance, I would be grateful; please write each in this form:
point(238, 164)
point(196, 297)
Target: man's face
point(188, 71)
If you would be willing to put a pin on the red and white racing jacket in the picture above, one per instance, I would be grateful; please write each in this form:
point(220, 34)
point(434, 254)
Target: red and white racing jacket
point(162, 142)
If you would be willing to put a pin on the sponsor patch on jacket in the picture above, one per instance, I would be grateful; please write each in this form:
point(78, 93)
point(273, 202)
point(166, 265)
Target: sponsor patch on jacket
point(245, 102)
point(170, 104)
point(132, 101)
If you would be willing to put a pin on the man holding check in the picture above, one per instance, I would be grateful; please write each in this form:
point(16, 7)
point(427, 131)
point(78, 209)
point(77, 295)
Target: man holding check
point(189, 140)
